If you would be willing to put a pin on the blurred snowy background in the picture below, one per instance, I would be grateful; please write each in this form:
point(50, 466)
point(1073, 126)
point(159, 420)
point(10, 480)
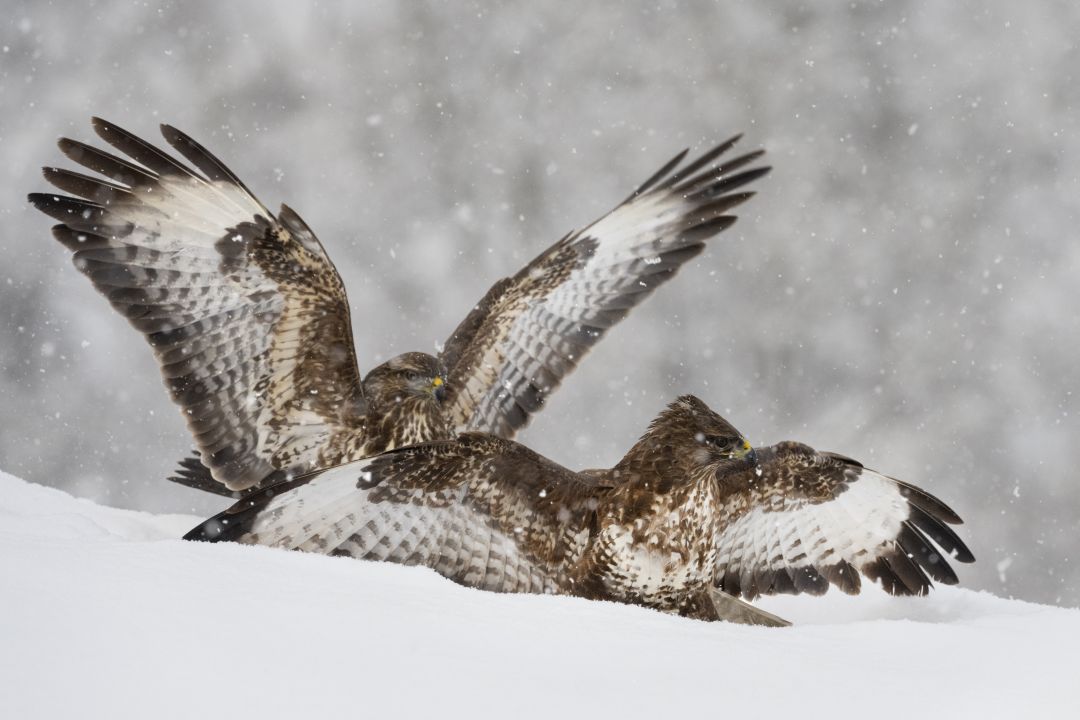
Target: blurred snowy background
point(905, 288)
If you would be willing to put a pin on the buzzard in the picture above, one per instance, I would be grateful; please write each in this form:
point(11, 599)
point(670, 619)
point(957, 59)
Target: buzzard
point(250, 323)
point(689, 521)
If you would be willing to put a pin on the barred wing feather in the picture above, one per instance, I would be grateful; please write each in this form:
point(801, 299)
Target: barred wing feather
point(530, 331)
point(245, 312)
point(471, 510)
point(806, 520)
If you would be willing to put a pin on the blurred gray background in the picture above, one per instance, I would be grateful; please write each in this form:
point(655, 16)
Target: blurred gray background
point(904, 288)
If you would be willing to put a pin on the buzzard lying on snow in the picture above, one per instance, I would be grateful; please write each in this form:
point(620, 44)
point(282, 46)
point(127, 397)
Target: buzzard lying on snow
point(250, 324)
point(688, 521)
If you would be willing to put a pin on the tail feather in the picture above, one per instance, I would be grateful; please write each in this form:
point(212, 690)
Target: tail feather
point(733, 609)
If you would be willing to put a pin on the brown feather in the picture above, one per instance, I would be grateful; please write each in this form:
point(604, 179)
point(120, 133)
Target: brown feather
point(251, 327)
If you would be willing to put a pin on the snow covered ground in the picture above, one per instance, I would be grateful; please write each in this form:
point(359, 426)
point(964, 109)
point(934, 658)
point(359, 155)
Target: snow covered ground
point(107, 615)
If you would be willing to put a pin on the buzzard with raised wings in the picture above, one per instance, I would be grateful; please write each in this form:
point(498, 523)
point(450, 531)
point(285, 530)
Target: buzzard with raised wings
point(250, 323)
point(692, 519)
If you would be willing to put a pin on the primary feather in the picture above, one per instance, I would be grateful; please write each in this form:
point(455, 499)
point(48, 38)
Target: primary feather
point(689, 520)
point(250, 322)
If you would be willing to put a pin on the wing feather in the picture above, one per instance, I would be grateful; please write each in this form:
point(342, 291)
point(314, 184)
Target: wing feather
point(482, 511)
point(500, 367)
point(803, 520)
point(245, 312)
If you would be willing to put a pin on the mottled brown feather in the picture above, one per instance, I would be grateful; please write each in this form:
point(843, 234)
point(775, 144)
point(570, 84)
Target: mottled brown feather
point(521, 340)
point(250, 322)
point(656, 530)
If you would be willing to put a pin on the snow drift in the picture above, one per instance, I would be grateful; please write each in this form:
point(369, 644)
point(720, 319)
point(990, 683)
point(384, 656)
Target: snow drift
point(108, 614)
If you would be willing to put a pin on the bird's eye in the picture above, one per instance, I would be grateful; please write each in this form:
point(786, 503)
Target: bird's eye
point(411, 375)
point(724, 444)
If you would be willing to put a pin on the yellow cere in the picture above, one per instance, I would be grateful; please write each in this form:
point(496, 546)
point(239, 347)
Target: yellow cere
point(437, 382)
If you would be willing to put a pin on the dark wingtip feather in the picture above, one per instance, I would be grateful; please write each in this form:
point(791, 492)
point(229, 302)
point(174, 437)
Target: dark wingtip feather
point(736, 199)
point(941, 534)
point(914, 543)
point(658, 175)
point(808, 580)
point(702, 182)
point(75, 212)
point(735, 181)
point(844, 576)
point(898, 574)
point(76, 241)
point(730, 584)
point(109, 165)
point(910, 572)
point(711, 155)
point(191, 473)
point(690, 170)
point(704, 231)
point(95, 189)
point(232, 524)
point(140, 150)
point(227, 526)
point(745, 159)
point(200, 157)
point(928, 503)
point(41, 200)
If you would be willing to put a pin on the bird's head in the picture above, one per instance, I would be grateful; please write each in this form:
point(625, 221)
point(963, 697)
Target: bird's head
point(703, 438)
point(686, 444)
point(412, 375)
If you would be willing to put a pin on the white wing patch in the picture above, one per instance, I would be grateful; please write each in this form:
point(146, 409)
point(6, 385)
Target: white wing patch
point(332, 515)
point(857, 526)
point(533, 329)
point(239, 306)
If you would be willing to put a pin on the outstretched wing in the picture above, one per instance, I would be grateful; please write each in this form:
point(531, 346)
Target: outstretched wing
point(803, 519)
point(482, 511)
point(531, 330)
point(245, 312)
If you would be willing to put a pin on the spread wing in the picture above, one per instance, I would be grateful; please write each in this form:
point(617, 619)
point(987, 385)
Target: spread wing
point(531, 330)
point(806, 519)
point(245, 312)
point(482, 511)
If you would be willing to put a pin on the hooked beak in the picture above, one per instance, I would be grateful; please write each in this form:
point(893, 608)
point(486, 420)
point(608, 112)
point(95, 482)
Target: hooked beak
point(746, 452)
point(438, 387)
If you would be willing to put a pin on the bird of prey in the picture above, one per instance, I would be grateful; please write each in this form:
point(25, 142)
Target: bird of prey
point(689, 521)
point(250, 323)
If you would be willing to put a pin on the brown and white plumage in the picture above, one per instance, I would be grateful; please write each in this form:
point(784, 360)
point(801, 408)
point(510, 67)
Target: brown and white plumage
point(532, 330)
point(689, 520)
point(803, 520)
point(250, 323)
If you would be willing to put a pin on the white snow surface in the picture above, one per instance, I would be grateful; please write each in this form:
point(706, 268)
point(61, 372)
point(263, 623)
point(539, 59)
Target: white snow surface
point(106, 614)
